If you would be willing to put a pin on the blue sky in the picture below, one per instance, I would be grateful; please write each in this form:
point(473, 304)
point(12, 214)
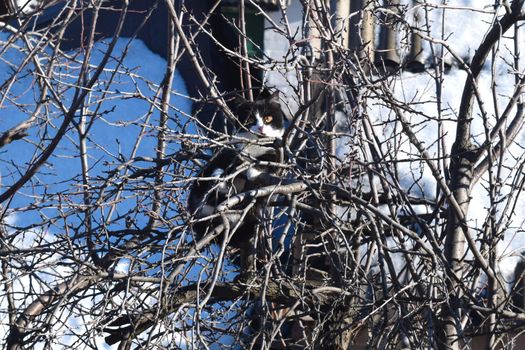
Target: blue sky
point(112, 135)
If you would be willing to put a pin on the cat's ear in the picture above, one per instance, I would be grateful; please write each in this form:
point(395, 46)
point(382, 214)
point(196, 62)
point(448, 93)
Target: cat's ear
point(241, 108)
point(274, 97)
point(239, 99)
point(238, 102)
point(265, 94)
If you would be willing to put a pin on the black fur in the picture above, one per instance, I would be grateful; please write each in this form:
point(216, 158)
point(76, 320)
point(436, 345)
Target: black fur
point(206, 194)
point(265, 104)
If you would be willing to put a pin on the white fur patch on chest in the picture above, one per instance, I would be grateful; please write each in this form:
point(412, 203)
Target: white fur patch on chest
point(253, 173)
point(217, 172)
point(221, 187)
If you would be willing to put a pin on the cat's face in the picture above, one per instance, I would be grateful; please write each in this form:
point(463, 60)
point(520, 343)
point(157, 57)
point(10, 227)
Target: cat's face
point(262, 117)
point(267, 124)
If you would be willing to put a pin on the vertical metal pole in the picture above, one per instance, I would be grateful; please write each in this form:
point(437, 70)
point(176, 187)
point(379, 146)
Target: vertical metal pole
point(341, 20)
point(246, 79)
point(361, 39)
point(387, 56)
point(415, 61)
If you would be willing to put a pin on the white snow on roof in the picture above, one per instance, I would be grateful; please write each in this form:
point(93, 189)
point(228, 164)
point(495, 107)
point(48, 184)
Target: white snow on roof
point(461, 25)
point(28, 6)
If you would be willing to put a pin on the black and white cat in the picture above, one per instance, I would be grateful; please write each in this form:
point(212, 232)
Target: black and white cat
point(234, 168)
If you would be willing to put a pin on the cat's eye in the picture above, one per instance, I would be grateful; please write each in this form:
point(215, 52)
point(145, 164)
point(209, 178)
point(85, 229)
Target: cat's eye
point(267, 119)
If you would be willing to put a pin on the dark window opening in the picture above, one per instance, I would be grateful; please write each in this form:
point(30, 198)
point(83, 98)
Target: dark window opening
point(4, 8)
